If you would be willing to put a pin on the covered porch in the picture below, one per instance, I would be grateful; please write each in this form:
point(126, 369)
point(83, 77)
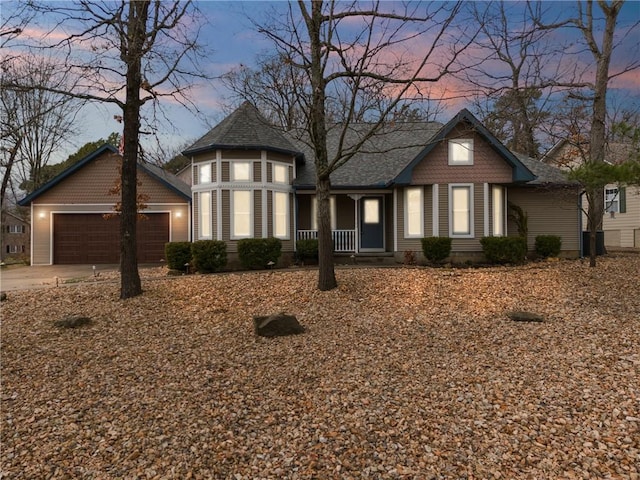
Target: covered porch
point(358, 220)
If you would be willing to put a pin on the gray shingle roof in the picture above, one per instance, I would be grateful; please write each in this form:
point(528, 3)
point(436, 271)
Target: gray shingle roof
point(545, 174)
point(244, 129)
point(378, 162)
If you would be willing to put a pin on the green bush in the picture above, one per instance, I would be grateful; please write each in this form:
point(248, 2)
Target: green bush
point(256, 253)
point(504, 249)
point(209, 255)
point(548, 245)
point(436, 249)
point(178, 254)
point(307, 249)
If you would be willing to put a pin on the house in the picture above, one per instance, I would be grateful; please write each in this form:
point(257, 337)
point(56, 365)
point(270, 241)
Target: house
point(413, 180)
point(73, 218)
point(621, 222)
point(15, 234)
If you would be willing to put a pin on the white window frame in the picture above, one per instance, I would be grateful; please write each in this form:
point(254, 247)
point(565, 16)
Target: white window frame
point(612, 200)
point(204, 167)
point(410, 223)
point(16, 229)
point(470, 233)
point(235, 235)
point(204, 216)
point(235, 177)
point(282, 177)
point(332, 210)
point(498, 211)
point(457, 144)
point(281, 216)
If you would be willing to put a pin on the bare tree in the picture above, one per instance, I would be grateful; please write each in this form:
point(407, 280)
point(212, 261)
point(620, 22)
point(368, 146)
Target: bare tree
point(345, 52)
point(128, 54)
point(34, 123)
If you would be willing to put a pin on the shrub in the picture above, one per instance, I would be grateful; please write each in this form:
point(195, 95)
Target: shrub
point(178, 254)
point(548, 245)
point(209, 255)
point(504, 249)
point(307, 249)
point(436, 249)
point(258, 252)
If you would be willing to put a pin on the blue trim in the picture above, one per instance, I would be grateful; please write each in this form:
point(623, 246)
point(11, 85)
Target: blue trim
point(521, 174)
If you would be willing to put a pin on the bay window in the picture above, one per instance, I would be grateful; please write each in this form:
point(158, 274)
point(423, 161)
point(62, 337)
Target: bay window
point(281, 215)
point(241, 214)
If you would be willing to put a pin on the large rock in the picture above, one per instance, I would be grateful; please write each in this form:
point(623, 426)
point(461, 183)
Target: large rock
point(73, 321)
point(277, 325)
point(522, 316)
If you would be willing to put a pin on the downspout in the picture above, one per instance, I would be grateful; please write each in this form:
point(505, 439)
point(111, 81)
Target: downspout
point(580, 235)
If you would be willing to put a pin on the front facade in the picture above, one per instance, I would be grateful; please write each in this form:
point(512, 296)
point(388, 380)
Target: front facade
point(15, 236)
point(74, 218)
point(454, 180)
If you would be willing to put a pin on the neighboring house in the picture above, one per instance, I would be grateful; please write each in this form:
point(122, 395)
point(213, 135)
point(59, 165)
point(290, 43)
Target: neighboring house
point(73, 220)
point(621, 222)
point(15, 234)
point(413, 180)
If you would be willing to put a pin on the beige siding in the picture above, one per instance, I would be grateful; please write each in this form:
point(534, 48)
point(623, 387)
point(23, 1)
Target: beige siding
point(621, 227)
point(304, 212)
point(278, 157)
point(257, 171)
point(487, 166)
point(257, 213)
point(241, 155)
point(196, 216)
point(226, 218)
point(345, 213)
point(226, 175)
point(550, 212)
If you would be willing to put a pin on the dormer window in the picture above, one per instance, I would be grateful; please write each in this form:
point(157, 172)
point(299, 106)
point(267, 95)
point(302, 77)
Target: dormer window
point(461, 151)
point(241, 172)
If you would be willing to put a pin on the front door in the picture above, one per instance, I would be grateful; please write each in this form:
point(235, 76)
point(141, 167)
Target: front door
point(371, 224)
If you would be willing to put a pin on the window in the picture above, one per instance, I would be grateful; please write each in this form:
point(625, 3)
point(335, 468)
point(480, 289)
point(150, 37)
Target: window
point(205, 173)
point(280, 215)
point(461, 152)
point(611, 200)
point(280, 174)
point(314, 212)
point(241, 214)
point(241, 171)
point(15, 249)
point(497, 205)
point(16, 229)
point(413, 216)
point(461, 211)
point(205, 215)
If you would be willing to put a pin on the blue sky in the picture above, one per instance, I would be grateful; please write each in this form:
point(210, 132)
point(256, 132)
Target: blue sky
point(231, 40)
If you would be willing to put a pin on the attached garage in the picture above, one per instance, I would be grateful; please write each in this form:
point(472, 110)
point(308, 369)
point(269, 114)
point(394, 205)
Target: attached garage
point(91, 238)
point(68, 224)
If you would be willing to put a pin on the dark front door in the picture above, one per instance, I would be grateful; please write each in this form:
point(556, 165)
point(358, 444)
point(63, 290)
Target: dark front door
point(371, 223)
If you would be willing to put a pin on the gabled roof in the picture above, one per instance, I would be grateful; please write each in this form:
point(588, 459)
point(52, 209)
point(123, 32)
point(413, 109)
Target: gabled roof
point(520, 172)
point(167, 179)
point(244, 129)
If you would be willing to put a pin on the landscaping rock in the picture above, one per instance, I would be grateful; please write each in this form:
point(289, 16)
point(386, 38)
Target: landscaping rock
point(277, 325)
point(520, 316)
point(3, 297)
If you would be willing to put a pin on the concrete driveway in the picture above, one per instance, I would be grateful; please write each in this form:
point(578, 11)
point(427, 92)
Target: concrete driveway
point(21, 277)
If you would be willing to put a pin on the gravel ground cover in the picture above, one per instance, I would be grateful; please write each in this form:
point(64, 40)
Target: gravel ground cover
point(412, 373)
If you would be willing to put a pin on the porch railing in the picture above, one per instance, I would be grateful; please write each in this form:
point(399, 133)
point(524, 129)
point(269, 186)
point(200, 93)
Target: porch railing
point(343, 240)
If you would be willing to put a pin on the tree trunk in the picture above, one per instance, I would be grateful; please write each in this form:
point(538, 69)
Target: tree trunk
point(130, 285)
point(326, 271)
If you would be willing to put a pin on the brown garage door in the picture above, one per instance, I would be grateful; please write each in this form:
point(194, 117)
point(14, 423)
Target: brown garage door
point(87, 238)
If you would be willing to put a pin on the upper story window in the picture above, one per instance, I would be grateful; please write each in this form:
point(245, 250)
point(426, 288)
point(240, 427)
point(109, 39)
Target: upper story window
point(280, 174)
point(204, 173)
point(16, 229)
point(241, 172)
point(461, 151)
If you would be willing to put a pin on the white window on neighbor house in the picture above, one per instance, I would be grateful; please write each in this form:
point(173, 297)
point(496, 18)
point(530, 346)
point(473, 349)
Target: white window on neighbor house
point(204, 219)
point(16, 229)
point(413, 213)
point(204, 173)
point(280, 174)
point(241, 172)
point(461, 151)
point(241, 218)
point(281, 215)
point(15, 249)
point(314, 212)
point(611, 200)
point(461, 210)
point(497, 211)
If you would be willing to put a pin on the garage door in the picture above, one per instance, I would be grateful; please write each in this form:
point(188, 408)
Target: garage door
point(92, 239)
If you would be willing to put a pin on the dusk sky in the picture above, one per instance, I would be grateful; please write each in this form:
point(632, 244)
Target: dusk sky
point(232, 40)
